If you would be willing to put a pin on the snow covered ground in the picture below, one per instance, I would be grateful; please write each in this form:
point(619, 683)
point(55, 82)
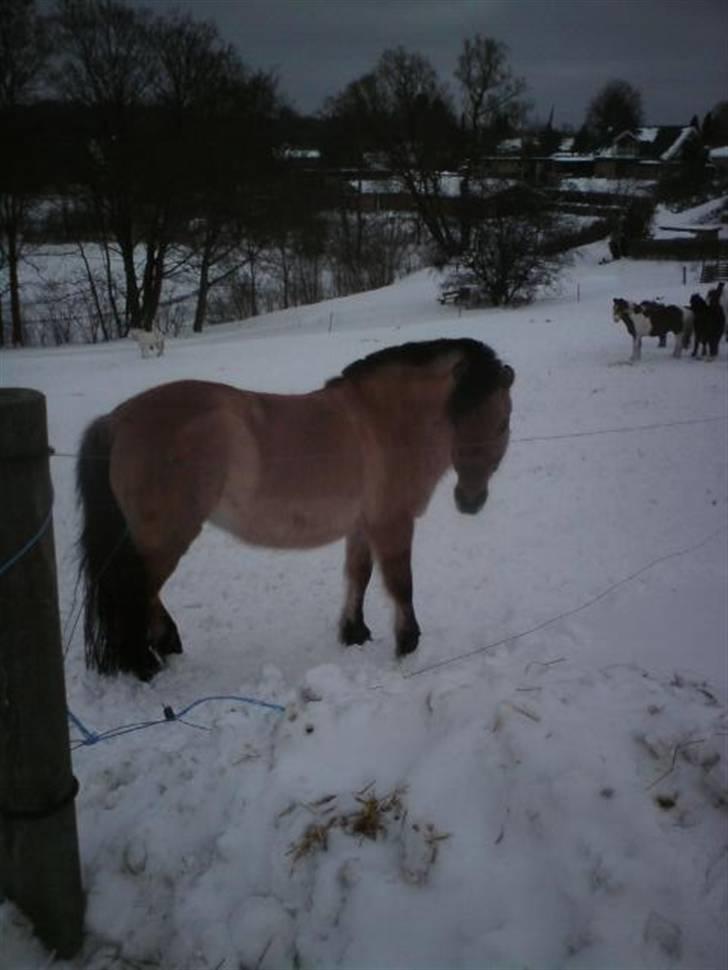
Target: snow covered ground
point(546, 776)
point(668, 224)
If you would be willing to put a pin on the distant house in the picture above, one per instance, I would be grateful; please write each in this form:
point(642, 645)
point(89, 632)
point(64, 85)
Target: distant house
point(644, 152)
point(639, 155)
point(626, 166)
point(719, 157)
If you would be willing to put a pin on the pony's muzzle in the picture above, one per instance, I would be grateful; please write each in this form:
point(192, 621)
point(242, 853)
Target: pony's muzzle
point(469, 504)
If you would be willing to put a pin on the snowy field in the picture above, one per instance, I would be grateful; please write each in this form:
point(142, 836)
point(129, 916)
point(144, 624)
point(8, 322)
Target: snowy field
point(546, 776)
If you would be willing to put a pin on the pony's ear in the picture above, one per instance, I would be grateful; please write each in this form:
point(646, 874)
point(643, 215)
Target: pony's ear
point(508, 376)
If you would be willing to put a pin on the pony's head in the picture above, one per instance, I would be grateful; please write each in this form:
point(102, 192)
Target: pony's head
point(715, 296)
point(477, 402)
point(480, 411)
point(619, 308)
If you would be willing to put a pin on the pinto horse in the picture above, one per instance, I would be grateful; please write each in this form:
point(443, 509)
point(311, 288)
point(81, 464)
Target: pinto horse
point(358, 458)
point(652, 319)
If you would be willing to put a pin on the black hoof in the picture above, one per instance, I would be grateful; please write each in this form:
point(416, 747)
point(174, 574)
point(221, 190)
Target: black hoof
point(354, 633)
point(148, 665)
point(407, 641)
point(169, 642)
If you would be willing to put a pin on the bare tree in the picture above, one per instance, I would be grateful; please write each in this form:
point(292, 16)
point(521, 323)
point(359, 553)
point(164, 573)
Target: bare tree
point(197, 72)
point(715, 125)
point(220, 115)
point(24, 51)
point(511, 253)
point(491, 95)
point(369, 250)
point(110, 68)
point(408, 116)
point(617, 107)
point(492, 105)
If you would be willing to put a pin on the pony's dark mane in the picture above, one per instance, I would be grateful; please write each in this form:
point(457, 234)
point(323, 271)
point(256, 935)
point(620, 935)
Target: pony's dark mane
point(479, 374)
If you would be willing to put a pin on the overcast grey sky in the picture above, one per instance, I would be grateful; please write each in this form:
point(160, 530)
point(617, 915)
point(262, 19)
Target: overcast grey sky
point(675, 52)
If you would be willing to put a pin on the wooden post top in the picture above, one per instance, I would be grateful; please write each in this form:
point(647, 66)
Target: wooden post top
point(23, 430)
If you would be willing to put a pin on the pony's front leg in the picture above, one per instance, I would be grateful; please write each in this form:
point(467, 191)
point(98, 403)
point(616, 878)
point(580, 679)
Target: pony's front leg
point(163, 634)
point(358, 571)
point(393, 548)
point(636, 348)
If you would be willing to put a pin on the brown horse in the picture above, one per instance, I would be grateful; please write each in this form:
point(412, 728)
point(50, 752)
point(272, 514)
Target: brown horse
point(358, 458)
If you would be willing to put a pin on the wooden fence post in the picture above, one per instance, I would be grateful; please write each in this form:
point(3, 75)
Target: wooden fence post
point(39, 859)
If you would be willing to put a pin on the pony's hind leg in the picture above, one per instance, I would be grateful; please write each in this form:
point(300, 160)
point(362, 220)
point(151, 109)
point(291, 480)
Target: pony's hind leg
point(112, 568)
point(358, 570)
point(168, 489)
point(162, 635)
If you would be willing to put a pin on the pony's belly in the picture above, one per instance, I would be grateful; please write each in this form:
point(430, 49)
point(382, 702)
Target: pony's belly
point(288, 525)
point(642, 325)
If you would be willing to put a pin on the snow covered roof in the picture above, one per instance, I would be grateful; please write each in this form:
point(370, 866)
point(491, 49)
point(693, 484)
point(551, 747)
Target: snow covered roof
point(648, 134)
point(510, 145)
point(677, 146)
point(656, 142)
point(302, 154)
point(565, 156)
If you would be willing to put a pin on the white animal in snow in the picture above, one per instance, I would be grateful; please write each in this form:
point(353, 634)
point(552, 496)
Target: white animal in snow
point(151, 342)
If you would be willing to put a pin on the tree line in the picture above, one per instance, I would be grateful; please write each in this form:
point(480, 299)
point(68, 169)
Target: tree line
point(162, 153)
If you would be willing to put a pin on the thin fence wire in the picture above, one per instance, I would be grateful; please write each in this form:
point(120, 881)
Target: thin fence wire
point(312, 455)
point(514, 440)
point(89, 737)
point(512, 638)
point(27, 546)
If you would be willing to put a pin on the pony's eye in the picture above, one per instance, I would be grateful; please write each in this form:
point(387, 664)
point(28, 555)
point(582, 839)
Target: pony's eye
point(503, 426)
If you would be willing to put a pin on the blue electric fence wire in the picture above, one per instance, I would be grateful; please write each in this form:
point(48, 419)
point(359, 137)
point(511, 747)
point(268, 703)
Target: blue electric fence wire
point(228, 697)
point(6, 566)
point(90, 737)
point(93, 737)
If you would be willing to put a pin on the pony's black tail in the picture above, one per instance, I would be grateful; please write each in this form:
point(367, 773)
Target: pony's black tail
point(111, 569)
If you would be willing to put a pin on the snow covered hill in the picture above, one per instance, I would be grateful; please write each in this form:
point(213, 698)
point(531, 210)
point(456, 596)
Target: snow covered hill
point(543, 784)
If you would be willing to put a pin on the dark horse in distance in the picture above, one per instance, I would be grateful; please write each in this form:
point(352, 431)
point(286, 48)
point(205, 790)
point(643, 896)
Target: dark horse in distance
point(359, 458)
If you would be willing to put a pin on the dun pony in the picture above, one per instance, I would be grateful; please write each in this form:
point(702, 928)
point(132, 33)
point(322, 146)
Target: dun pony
point(358, 458)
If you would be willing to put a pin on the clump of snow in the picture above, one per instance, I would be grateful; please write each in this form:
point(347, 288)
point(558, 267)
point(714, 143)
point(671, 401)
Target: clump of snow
point(558, 741)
